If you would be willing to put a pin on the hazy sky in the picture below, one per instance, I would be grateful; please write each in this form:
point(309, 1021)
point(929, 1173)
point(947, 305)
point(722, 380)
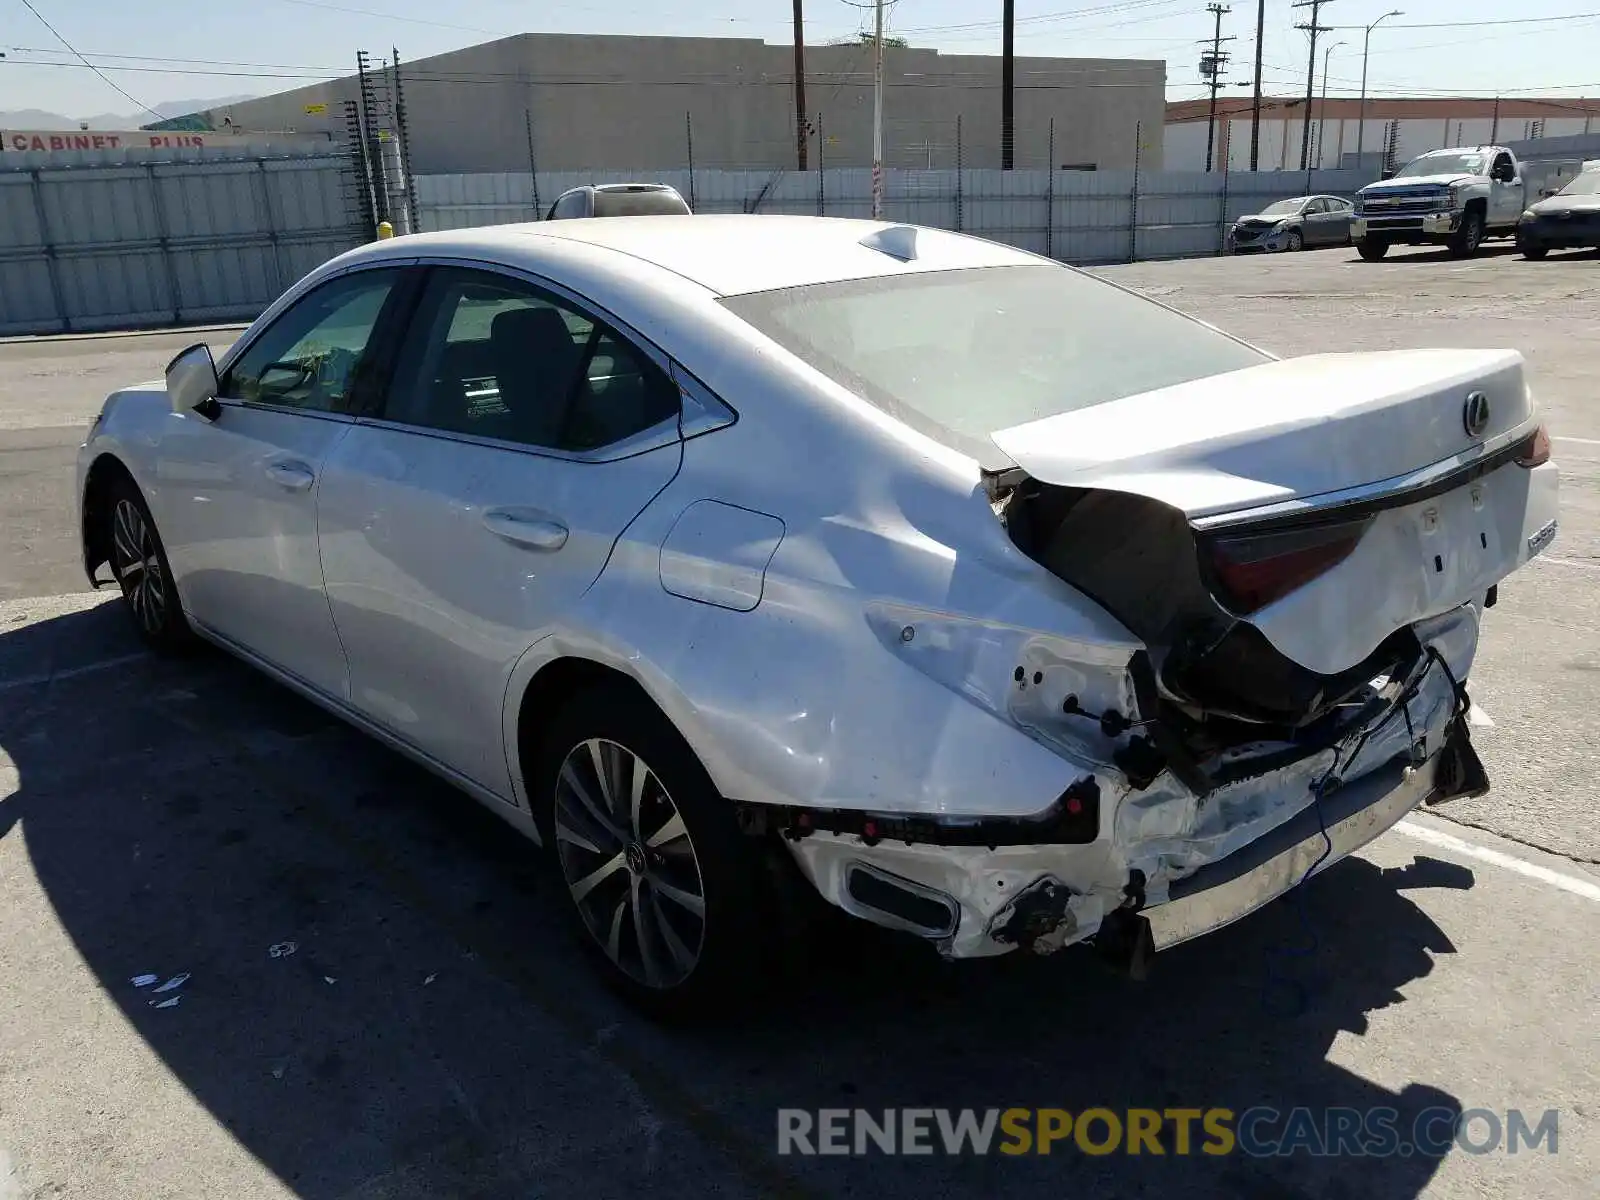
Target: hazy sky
point(269, 45)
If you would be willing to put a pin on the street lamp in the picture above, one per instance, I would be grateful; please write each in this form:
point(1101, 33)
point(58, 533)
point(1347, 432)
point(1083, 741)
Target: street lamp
point(1361, 124)
point(1322, 116)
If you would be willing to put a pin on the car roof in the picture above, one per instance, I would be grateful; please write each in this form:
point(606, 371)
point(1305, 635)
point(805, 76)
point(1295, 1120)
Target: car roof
point(732, 254)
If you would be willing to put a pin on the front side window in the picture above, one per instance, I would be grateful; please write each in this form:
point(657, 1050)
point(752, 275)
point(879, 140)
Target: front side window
point(313, 357)
point(962, 354)
point(494, 357)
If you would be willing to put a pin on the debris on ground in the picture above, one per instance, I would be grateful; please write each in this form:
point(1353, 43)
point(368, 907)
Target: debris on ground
point(282, 949)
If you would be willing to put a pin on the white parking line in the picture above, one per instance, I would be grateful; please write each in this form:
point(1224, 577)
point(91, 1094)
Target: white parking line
point(1579, 441)
point(1566, 562)
point(71, 672)
point(1586, 888)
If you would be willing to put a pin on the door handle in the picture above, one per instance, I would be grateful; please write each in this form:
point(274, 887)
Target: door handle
point(538, 533)
point(294, 476)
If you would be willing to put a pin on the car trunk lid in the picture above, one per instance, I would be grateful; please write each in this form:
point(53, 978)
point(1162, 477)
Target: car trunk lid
point(1269, 532)
point(1282, 432)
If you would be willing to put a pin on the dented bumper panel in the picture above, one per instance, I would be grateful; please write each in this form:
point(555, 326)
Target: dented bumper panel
point(1188, 863)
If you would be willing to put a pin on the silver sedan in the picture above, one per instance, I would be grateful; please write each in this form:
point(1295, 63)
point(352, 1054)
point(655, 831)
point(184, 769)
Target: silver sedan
point(1305, 221)
point(727, 557)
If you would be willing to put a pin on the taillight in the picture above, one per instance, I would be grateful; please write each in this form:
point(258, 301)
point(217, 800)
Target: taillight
point(1253, 570)
point(1539, 453)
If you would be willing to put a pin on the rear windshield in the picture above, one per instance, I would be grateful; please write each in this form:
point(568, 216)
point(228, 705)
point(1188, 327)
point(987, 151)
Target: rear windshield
point(962, 354)
point(651, 203)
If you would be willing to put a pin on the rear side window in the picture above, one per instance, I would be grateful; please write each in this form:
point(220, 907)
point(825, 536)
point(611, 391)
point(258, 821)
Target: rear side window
point(495, 357)
point(573, 204)
point(962, 354)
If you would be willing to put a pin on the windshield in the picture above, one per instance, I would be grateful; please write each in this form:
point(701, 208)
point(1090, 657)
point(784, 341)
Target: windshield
point(1283, 208)
point(962, 354)
point(1444, 164)
point(1587, 184)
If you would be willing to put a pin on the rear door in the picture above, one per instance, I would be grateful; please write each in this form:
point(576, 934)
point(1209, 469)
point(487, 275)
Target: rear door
point(1315, 222)
point(521, 434)
point(1338, 221)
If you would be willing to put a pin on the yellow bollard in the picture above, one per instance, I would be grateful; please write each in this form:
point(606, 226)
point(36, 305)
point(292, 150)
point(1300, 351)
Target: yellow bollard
point(385, 230)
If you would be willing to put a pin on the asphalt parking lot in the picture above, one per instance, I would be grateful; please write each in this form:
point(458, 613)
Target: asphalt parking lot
point(382, 1000)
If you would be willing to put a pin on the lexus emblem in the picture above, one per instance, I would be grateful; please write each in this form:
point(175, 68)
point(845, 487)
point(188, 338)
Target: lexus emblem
point(1475, 414)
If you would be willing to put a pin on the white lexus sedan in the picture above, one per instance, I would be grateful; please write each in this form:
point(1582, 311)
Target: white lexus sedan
point(1003, 606)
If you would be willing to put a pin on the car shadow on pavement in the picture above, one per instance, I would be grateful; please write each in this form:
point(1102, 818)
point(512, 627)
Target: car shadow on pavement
point(383, 999)
point(1417, 254)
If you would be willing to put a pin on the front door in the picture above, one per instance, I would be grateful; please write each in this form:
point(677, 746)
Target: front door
point(240, 493)
point(1505, 191)
point(520, 437)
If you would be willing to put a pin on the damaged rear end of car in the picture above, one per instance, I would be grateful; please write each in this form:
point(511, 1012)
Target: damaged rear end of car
point(1305, 552)
point(1300, 552)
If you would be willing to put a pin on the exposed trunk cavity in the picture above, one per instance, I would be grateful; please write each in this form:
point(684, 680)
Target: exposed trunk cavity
point(1219, 680)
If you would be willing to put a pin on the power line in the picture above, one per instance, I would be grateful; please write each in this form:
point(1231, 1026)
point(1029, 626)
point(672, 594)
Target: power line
point(1479, 24)
point(28, 4)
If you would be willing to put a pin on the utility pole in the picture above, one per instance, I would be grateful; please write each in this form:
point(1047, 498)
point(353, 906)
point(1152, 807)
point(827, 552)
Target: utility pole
point(877, 116)
point(1211, 65)
point(1008, 80)
point(1361, 121)
point(1311, 71)
point(1322, 113)
point(1255, 105)
point(800, 84)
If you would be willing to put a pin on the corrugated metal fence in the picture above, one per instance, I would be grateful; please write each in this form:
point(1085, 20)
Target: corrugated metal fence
point(132, 242)
point(127, 244)
point(1075, 216)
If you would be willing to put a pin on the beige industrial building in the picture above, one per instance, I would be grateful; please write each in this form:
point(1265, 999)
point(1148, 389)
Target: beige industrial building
point(1343, 127)
point(575, 102)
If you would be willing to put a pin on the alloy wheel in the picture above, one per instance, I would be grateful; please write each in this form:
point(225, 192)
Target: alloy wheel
point(137, 565)
point(629, 863)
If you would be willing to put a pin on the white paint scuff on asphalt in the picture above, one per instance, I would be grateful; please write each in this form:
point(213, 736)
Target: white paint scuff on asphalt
point(1586, 888)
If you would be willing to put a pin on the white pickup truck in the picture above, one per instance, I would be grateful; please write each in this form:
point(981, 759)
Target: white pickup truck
point(1454, 198)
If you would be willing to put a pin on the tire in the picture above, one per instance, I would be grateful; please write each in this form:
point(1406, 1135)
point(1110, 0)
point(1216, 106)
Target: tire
point(1372, 249)
point(1464, 242)
point(667, 896)
point(1534, 253)
point(139, 563)
point(1294, 241)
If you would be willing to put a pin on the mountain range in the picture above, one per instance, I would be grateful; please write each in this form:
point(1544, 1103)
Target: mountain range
point(37, 118)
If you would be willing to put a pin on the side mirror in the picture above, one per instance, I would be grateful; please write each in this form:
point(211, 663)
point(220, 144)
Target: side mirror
point(192, 384)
